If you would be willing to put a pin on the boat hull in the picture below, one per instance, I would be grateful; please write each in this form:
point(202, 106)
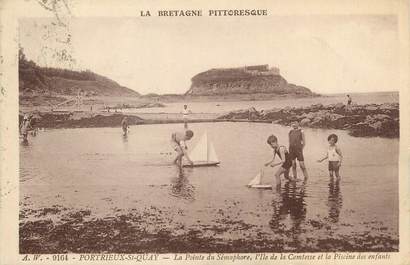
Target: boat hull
point(261, 186)
point(202, 164)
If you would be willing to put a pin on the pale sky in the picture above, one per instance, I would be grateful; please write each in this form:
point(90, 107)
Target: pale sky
point(328, 54)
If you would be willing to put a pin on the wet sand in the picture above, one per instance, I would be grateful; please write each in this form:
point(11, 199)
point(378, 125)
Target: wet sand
point(152, 230)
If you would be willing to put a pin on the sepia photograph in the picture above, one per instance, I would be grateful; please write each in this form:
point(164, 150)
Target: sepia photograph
point(199, 130)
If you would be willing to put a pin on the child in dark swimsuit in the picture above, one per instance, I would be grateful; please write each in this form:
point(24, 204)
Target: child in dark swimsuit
point(297, 142)
point(284, 155)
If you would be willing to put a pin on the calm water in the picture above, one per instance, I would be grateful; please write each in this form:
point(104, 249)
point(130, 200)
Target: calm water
point(98, 169)
point(225, 106)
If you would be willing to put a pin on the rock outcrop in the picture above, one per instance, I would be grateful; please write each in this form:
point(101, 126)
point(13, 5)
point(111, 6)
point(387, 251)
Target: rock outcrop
point(244, 80)
point(79, 120)
point(361, 120)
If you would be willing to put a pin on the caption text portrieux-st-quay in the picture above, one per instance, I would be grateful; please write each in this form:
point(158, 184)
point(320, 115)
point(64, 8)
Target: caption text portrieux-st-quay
point(203, 257)
point(200, 13)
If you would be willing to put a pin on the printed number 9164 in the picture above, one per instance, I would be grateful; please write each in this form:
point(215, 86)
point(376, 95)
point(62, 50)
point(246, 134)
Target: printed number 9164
point(60, 257)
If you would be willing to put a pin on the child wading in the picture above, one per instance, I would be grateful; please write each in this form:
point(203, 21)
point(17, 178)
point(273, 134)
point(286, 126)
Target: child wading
point(124, 125)
point(284, 155)
point(297, 142)
point(25, 127)
point(176, 140)
point(334, 155)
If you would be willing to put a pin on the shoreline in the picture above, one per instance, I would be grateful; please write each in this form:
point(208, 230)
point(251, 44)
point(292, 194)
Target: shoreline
point(368, 120)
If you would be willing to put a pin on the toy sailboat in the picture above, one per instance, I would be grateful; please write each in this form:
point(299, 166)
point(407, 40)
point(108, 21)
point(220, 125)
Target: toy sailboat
point(256, 182)
point(203, 154)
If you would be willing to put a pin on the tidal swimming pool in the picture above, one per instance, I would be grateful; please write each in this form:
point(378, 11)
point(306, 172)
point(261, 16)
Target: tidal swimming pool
point(92, 190)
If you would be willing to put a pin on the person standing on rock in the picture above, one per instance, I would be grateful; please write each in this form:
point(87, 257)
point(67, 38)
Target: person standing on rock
point(349, 102)
point(297, 142)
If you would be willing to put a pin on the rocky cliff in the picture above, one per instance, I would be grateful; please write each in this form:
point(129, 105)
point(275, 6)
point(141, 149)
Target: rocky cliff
point(244, 80)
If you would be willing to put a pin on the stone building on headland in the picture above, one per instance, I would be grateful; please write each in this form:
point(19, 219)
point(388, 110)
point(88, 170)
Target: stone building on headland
point(261, 70)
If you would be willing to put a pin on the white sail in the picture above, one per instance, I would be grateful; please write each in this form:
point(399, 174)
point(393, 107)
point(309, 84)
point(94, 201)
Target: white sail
point(257, 180)
point(204, 151)
point(200, 151)
point(211, 153)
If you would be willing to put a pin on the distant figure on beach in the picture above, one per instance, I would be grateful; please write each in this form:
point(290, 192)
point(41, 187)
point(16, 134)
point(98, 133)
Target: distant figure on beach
point(297, 142)
point(124, 125)
point(25, 127)
point(334, 156)
point(176, 141)
point(185, 115)
point(283, 154)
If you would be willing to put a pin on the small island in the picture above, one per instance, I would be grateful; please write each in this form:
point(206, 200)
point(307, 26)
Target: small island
point(256, 80)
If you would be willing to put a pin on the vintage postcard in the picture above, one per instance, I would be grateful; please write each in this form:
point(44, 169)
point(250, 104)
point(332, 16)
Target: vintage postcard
point(173, 132)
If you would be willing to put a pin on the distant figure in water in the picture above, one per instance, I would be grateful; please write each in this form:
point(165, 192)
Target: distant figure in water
point(334, 156)
point(25, 127)
point(297, 142)
point(176, 139)
point(283, 154)
point(124, 125)
point(185, 115)
point(32, 123)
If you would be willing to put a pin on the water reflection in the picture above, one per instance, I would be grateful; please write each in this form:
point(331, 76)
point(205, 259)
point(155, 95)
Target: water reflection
point(289, 204)
point(180, 186)
point(335, 200)
point(125, 141)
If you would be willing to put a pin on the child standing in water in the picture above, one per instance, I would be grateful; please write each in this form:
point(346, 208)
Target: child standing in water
point(176, 140)
point(284, 155)
point(185, 115)
point(297, 142)
point(25, 127)
point(124, 125)
point(334, 155)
